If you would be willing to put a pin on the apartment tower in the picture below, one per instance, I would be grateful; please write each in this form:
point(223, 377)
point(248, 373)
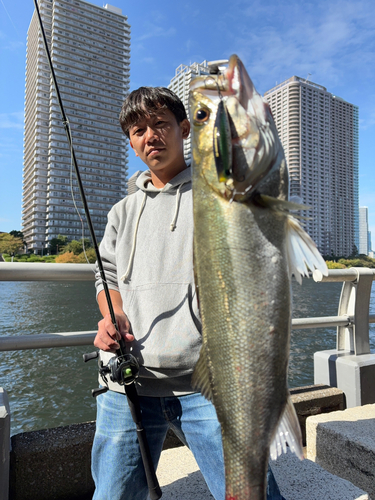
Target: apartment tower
point(180, 86)
point(90, 50)
point(319, 133)
point(364, 234)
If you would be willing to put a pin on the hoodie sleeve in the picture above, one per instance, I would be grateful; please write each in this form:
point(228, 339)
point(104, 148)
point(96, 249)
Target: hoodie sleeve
point(107, 250)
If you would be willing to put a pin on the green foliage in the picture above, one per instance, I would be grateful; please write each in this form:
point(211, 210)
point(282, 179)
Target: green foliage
point(334, 265)
point(77, 246)
point(91, 256)
point(9, 244)
point(363, 261)
point(27, 257)
point(57, 244)
point(17, 234)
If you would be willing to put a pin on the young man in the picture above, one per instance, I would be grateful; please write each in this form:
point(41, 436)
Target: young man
point(147, 253)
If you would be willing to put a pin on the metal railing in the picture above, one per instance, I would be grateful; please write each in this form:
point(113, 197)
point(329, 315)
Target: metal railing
point(352, 321)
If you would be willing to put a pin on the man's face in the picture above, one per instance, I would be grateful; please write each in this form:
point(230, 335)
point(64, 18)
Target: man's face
point(158, 141)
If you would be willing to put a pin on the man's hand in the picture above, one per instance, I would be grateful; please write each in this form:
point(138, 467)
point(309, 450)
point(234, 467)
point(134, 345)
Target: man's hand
point(107, 334)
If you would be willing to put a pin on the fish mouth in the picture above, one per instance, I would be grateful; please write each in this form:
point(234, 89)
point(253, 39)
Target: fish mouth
point(245, 141)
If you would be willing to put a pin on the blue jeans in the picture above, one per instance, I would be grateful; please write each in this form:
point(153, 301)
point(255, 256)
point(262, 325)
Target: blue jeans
point(116, 461)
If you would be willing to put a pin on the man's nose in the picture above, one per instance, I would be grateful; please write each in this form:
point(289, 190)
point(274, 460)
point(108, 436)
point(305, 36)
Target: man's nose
point(151, 134)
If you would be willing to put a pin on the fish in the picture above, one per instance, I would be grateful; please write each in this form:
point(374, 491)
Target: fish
point(247, 244)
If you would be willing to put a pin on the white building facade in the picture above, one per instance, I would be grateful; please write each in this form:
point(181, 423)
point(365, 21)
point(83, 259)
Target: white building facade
point(364, 235)
point(180, 86)
point(319, 133)
point(90, 50)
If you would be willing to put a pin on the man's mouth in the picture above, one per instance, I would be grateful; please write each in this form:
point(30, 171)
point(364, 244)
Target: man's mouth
point(154, 151)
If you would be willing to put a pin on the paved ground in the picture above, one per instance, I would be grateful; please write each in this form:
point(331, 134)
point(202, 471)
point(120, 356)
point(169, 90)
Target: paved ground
point(179, 476)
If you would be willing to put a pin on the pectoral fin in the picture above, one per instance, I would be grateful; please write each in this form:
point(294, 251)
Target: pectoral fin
point(302, 252)
point(289, 431)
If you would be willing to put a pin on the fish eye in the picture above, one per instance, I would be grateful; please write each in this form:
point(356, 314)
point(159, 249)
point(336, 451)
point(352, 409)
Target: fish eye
point(201, 115)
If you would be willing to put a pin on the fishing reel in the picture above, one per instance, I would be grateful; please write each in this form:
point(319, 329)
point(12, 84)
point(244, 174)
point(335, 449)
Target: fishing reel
point(123, 369)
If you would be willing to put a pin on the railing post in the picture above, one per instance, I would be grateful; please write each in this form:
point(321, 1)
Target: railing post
point(351, 366)
point(355, 303)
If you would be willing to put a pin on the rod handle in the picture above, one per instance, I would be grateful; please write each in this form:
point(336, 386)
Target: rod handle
point(90, 355)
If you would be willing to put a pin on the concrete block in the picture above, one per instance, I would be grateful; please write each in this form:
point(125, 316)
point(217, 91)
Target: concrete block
point(306, 480)
point(354, 375)
point(313, 400)
point(52, 464)
point(343, 442)
point(4, 444)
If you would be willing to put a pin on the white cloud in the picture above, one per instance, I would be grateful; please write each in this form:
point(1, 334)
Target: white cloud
point(330, 40)
point(152, 31)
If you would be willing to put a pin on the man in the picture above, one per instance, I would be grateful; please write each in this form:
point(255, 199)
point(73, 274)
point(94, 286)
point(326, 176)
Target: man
point(147, 255)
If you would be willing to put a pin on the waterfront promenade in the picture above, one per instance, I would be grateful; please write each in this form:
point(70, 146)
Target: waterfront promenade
point(178, 473)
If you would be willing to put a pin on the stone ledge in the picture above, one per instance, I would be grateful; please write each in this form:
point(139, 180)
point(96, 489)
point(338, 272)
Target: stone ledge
point(306, 480)
point(314, 400)
point(343, 443)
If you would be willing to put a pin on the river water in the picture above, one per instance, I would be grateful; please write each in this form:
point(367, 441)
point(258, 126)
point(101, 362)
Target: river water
point(52, 387)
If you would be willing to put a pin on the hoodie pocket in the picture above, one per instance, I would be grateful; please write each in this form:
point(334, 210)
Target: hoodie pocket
point(165, 322)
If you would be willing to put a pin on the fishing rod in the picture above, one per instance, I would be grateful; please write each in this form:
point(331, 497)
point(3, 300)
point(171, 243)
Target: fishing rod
point(122, 368)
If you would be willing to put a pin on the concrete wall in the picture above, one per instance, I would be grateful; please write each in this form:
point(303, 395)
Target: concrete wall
point(54, 464)
point(4, 444)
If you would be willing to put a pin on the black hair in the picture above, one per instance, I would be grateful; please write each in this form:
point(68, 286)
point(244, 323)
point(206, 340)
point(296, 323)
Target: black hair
point(147, 101)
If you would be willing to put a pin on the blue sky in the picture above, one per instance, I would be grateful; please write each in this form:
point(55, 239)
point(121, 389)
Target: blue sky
point(333, 41)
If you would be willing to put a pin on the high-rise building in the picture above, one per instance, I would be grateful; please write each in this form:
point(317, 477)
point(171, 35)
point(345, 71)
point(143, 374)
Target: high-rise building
point(180, 86)
point(319, 133)
point(90, 50)
point(364, 243)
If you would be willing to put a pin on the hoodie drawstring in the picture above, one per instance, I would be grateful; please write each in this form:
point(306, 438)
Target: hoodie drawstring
point(127, 272)
point(172, 228)
point(178, 198)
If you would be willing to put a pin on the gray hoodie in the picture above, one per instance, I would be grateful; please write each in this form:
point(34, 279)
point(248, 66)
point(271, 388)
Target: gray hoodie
point(147, 254)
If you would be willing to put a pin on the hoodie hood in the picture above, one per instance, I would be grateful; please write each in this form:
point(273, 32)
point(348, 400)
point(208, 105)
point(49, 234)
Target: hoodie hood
point(144, 183)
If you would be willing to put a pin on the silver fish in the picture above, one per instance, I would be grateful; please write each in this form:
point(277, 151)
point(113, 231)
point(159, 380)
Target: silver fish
point(246, 245)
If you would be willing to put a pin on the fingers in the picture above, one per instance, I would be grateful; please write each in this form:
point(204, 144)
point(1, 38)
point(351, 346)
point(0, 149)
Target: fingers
point(107, 337)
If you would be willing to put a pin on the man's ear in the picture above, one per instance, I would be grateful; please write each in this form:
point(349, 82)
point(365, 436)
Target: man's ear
point(185, 128)
point(131, 145)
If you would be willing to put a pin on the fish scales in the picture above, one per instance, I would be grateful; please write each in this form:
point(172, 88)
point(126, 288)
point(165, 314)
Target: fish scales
point(248, 336)
point(242, 269)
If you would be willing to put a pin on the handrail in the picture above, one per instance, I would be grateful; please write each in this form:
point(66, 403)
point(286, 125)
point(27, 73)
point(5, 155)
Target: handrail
point(40, 271)
point(352, 321)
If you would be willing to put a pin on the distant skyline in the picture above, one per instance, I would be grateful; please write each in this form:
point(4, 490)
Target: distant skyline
point(330, 42)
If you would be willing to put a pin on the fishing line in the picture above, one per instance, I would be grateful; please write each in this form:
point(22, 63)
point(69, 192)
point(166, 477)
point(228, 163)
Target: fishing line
point(74, 200)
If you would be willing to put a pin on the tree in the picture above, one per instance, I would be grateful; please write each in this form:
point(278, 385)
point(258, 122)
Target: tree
point(9, 244)
point(355, 253)
point(58, 243)
point(90, 256)
point(77, 246)
point(16, 234)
